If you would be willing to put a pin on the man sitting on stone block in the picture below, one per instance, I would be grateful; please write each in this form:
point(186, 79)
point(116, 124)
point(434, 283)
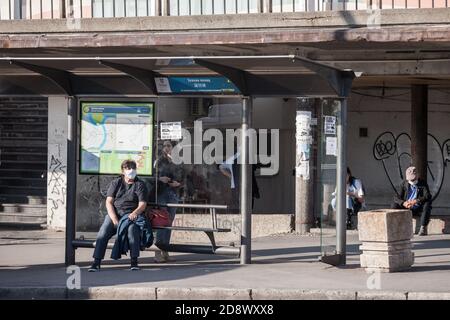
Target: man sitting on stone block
point(415, 196)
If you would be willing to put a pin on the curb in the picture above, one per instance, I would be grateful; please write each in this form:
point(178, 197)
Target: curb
point(214, 293)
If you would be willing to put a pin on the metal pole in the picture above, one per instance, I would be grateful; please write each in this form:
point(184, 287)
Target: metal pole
point(245, 184)
point(341, 182)
point(71, 179)
point(419, 128)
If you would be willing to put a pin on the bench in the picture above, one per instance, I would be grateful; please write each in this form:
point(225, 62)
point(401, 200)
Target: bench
point(208, 231)
point(184, 248)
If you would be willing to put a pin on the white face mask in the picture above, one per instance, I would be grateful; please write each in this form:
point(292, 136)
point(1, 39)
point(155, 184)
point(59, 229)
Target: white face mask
point(414, 182)
point(130, 173)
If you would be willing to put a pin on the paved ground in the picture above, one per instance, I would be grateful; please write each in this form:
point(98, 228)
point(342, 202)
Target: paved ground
point(282, 265)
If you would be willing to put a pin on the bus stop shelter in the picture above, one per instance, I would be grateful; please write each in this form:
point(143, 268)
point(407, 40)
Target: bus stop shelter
point(134, 76)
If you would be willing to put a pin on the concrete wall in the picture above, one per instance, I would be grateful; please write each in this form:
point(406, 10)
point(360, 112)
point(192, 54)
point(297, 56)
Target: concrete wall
point(57, 162)
point(375, 158)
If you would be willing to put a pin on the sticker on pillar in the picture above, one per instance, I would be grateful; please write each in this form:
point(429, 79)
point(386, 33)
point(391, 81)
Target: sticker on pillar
point(331, 146)
point(303, 123)
point(329, 125)
point(171, 130)
point(302, 170)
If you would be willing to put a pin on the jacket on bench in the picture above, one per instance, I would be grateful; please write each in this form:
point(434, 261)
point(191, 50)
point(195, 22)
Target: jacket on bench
point(121, 245)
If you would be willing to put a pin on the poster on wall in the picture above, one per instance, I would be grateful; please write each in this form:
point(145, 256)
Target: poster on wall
point(112, 132)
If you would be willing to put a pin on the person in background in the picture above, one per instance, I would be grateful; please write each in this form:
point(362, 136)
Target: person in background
point(415, 195)
point(126, 195)
point(355, 198)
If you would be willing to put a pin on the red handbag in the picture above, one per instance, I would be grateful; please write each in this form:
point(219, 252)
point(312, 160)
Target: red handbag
point(159, 217)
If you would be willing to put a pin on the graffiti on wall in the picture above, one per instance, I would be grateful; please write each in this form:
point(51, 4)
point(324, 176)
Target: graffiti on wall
point(91, 199)
point(394, 152)
point(56, 185)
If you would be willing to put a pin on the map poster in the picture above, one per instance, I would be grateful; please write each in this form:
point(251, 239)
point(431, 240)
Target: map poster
point(113, 132)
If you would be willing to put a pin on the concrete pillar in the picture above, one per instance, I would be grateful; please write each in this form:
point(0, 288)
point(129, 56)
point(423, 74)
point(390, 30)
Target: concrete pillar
point(57, 162)
point(419, 128)
point(304, 176)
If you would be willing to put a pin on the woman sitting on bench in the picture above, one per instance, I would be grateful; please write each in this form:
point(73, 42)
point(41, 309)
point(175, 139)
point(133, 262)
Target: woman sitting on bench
point(169, 180)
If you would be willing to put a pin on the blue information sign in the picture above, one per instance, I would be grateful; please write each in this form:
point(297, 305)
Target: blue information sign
point(195, 85)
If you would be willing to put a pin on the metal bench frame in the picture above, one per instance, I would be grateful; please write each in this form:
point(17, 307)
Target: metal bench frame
point(209, 231)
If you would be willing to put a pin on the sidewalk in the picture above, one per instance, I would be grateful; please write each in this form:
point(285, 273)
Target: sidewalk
point(284, 267)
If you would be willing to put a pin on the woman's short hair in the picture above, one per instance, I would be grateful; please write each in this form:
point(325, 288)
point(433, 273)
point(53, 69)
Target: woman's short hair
point(128, 164)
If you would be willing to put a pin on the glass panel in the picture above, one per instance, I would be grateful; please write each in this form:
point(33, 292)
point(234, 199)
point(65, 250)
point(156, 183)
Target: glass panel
point(230, 6)
point(321, 168)
point(207, 6)
point(184, 7)
point(46, 9)
point(196, 7)
point(242, 6)
point(253, 6)
point(190, 164)
point(173, 7)
point(86, 8)
point(4, 10)
point(97, 5)
point(219, 6)
point(276, 5)
point(288, 6)
point(109, 8)
point(300, 5)
point(131, 8)
point(142, 8)
point(330, 109)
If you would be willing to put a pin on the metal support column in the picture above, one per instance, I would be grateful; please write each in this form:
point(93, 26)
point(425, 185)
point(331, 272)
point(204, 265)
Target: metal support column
point(419, 128)
point(341, 182)
point(71, 179)
point(246, 184)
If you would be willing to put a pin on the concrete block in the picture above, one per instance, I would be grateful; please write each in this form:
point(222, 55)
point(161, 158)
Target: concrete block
point(202, 294)
point(23, 293)
point(385, 225)
point(113, 293)
point(386, 240)
point(299, 294)
point(380, 295)
point(428, 295)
